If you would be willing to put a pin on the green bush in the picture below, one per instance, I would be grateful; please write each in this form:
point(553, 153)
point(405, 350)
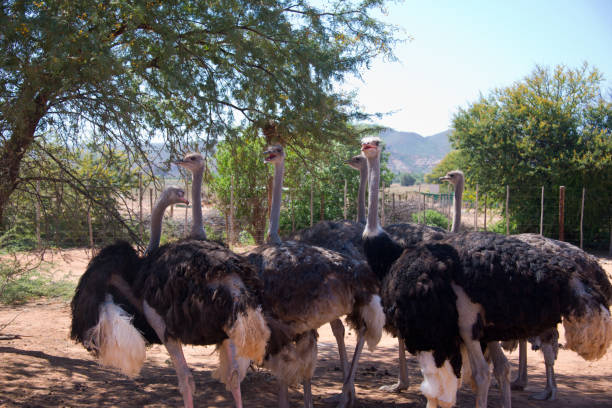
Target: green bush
point(21, 287)
point(432, 217)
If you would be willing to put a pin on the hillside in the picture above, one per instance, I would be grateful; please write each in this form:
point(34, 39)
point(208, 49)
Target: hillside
point(413, 153)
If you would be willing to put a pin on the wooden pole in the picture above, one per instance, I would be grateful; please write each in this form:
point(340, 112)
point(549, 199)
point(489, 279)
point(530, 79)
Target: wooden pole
point(172, 211)
point(231, 238)
point(311, 202)
point(507, 204)
point(38, 242)
point(392, 205)
point(581, 216)
point(322, 209)
point(345, 209)
point(419, 205)
point(292, 212)
point(542, 212)
point(91, 241)
point(561, 213)
point(424, 209)
point(485, 211)
point(476, 211)
point(140, 226)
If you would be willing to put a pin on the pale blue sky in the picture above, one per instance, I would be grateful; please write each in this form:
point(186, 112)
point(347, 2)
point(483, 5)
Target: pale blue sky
point(463, 48)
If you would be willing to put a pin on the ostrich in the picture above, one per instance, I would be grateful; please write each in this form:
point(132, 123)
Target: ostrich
point(199, 292)
point(101, 312)
point(307, 286)
point(586, 268)
point(579, 262)
point(437, 296)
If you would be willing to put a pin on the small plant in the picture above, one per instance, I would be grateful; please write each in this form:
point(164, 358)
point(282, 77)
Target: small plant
point(18, 284)
point(431, 217)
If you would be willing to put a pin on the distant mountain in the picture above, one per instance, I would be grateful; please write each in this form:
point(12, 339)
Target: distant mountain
point(413, 153)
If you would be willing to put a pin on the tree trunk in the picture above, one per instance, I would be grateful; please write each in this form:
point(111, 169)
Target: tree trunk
point(24, 118)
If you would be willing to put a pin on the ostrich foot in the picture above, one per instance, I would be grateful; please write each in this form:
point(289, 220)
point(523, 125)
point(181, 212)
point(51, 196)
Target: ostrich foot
point(397, 387)
point(546, 395)
point(518, 384)
point(347, 398)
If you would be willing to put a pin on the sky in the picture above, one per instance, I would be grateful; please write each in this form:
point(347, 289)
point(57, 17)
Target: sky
point(462, 49)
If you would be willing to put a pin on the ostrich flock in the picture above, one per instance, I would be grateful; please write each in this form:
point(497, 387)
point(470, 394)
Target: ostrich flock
point(452, 299)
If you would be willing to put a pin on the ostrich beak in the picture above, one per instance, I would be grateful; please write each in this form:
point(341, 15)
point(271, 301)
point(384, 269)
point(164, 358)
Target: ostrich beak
point(185, 201)
point(445, 178)
point(180, 163)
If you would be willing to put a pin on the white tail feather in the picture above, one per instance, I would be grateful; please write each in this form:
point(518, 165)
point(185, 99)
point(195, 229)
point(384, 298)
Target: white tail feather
point(589, 335)
point(116, 341)
point(439, 385)
point(250, 334)
point(374, 318)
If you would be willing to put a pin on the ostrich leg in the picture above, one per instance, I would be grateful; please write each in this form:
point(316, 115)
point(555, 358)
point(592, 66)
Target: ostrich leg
point(501, 370)
point(521, 380)
point(402, 381)
point(338, 330)
point(348, 389)
point(186, 383)
point(550, 348)
point(229, 349)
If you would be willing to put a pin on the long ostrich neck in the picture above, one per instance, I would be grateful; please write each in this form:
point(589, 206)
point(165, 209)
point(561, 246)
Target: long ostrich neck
point(277, 191)
point(197, 228)
point(361, 212)
point(156, 225)
point(457, 206)
point(372, 226)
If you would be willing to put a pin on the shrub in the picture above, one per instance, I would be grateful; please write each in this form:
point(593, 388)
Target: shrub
point(432, 217)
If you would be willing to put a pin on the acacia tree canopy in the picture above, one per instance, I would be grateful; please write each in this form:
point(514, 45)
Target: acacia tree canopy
point(122, 73)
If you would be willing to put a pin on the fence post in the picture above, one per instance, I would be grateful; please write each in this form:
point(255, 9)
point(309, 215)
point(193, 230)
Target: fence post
point(581, 216)
point(561, 213)
point(419, 205)
point(322, 210)
point(38, 243)
point(311, 202)
point(507, 203)
point(476, 211)
point(392, 204)
point(140, 226)
point(485, 211)
point(91, 242)
point(292, 212)
point(231, 237)
point(345, 210)
point(542, 212)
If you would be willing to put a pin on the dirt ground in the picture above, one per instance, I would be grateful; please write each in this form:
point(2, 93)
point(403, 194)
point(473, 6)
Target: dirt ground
point(41, 367)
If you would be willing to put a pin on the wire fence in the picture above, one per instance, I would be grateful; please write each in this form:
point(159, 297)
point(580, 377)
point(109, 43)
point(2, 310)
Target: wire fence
point(565, 213)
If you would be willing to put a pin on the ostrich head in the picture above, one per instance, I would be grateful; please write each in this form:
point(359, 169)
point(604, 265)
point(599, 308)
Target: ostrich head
point(192, 161)
point(371, 147)
point(173, 195)
point(274, 154)
point(357, 162)
point(453, 177)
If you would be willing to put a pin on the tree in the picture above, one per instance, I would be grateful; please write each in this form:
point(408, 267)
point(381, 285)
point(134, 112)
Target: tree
point(407, 179)
point(550, 129)
point(242, 162)
point(121, 73)
point(454, 160)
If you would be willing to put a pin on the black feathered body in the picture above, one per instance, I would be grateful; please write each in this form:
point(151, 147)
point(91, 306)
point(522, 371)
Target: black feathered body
point(118, 259)
point(420, 304)
point(307, 286)
point(198, 288)
point(340, 236)
point(523, 291)
point(408, 234)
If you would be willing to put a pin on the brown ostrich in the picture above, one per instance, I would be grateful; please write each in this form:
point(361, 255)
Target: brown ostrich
point(307, 286)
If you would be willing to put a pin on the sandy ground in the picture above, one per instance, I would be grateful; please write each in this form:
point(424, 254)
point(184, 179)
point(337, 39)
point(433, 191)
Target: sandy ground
point(41, 367)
